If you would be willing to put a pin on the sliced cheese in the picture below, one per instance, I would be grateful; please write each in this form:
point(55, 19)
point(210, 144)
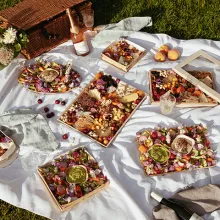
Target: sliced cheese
point(203, 98)
point(129, 98)
point(208, 81)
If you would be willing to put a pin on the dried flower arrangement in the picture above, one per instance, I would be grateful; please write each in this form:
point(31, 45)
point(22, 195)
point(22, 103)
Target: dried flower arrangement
point(11, 43)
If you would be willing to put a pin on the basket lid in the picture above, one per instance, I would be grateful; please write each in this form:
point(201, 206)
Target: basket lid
point(28, 13)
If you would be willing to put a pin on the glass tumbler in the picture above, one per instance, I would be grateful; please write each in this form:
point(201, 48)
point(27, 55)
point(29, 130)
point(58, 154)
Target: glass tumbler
point(167, 102)
point(88, 17)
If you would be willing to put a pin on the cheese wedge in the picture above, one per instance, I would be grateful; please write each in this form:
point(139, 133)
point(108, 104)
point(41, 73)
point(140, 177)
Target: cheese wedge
point(129, 98)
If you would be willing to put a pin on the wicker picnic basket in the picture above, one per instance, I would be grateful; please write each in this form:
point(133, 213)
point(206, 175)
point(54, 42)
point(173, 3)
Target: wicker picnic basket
point(45, 22)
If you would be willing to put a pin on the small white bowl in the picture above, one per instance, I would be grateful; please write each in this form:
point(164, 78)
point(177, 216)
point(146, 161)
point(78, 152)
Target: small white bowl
point(10, 146)
point(190, 141)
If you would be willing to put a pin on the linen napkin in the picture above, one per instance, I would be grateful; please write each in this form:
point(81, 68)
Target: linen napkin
point(200, 200)
point(126, 27)
point(28, 129)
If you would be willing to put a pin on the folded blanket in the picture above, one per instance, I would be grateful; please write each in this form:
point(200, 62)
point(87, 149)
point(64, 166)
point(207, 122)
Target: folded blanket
point(125, 27)
point(201, 200)
point(28, 130)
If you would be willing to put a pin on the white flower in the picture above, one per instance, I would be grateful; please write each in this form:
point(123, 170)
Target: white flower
point(6, 55)
point(9, 36)
point(1, 39)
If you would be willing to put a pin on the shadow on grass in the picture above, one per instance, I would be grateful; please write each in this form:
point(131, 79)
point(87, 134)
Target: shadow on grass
point(105, 10)
point(9, 212)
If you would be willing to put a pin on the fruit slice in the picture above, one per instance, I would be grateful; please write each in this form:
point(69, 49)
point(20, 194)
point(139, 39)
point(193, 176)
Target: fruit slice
point(160, 56)
point(164, 48)
point(159, 153)
point(142, 149)
point(77, 174)
point(173, 54)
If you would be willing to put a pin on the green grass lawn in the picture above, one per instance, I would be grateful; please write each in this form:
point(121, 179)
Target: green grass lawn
point(184, 19)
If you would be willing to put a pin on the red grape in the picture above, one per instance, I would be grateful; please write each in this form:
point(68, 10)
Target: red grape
point(48, 115)
point(39, 101)
point(65, 136)
point(63, 103)
point(46, 109)
point(52, 114)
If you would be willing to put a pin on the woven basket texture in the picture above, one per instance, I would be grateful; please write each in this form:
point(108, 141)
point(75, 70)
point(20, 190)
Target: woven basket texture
point(28, 13)
point(39, 16)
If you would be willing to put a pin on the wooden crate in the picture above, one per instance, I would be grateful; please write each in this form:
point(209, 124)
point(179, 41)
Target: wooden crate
point(185, 170)
point(75, 100)
point(120, 66)
point(180, 104)
point(75, 202)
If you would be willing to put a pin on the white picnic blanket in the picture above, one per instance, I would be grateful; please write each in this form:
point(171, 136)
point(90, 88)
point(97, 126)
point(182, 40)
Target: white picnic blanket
point(128, 196)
